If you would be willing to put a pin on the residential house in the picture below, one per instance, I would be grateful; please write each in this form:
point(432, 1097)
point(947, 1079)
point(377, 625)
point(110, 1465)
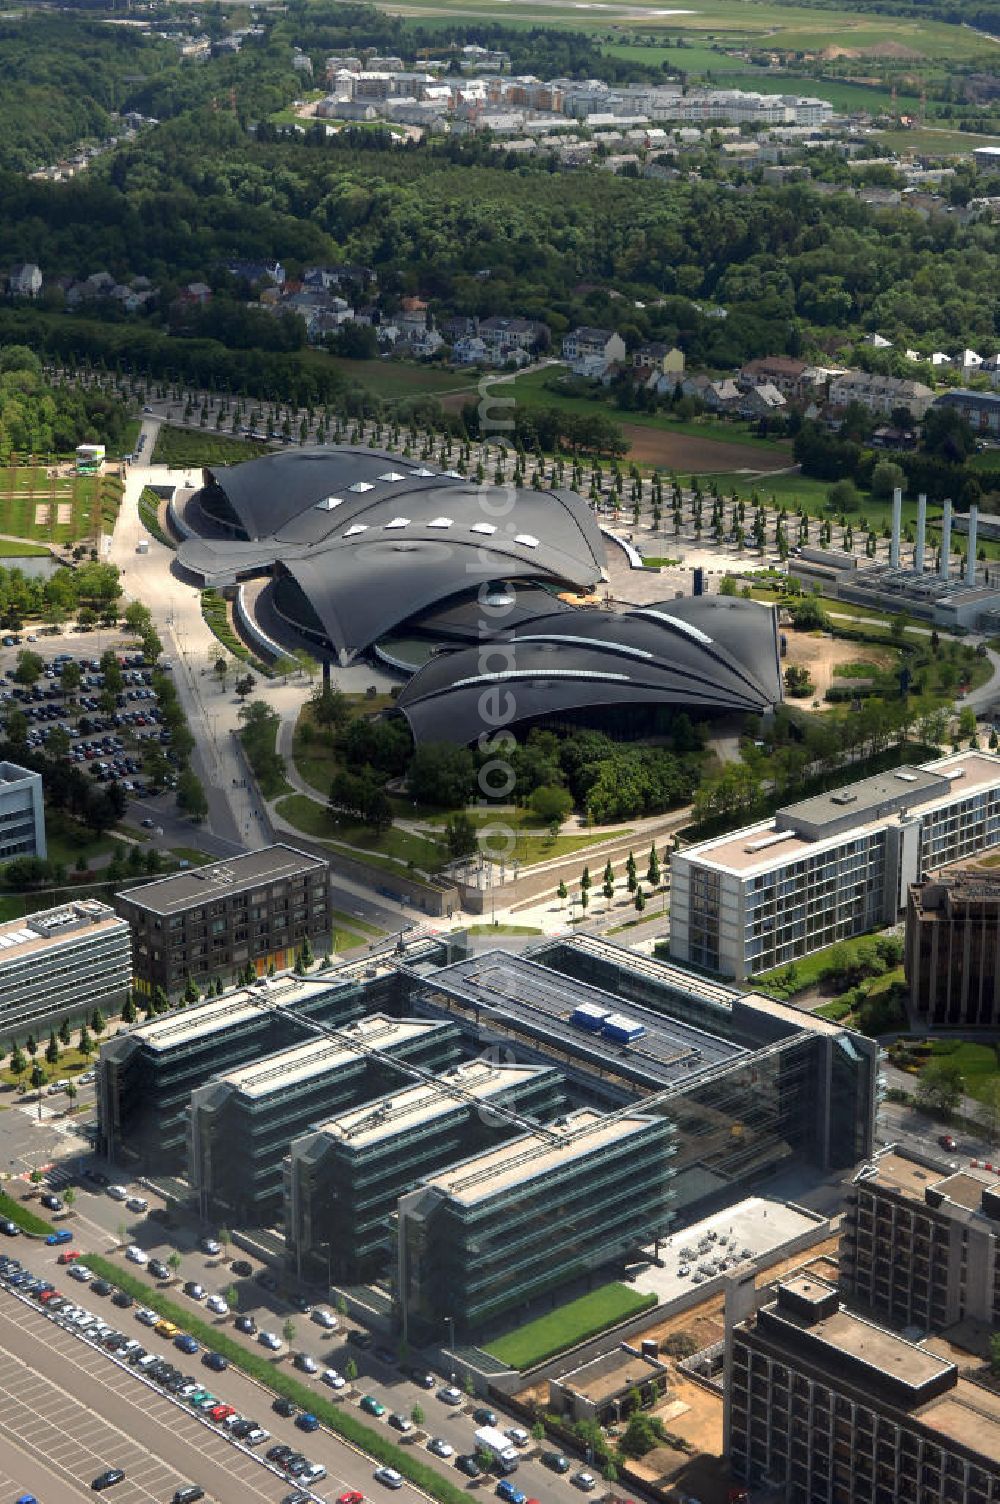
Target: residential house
point(761, 401)
point(506, 337)
point(196, 292)
point(458, 326)
point(980, 409)
point(255, 272)
point(780, 371)
point(469, 350)
point(879, 394)
point(991, 368)
point(663, 359)
point(696, 386)
point(722, 396)
point(584, 347)
point(25, 280)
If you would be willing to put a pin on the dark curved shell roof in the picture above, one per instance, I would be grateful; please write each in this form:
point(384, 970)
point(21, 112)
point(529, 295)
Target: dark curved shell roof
point(701, 654)
point(371, 538)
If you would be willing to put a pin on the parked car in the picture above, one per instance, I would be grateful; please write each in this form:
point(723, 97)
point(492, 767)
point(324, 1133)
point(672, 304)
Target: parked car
point(325, 1319)
point(307, 1421)
point(242, 1268)
point(585, 1481)
point(62, 1236)
point(246, 1325)
point(216, 1362)
point(284, 1407)
point(450, 1395)
point(108, 1479)
point(51, 1202)
point(555, 1462)
point(217, 1305)
point(333, 1379)
point(388, 1477)
point(210, 1246)
point(371, 1406)
point(510, 1492)
point(270, 1340)
point(305, 1363)
point(158, 1269)
point(136, 1255)
point(440, 1448)
point(468, 1465)
point(194, 1290)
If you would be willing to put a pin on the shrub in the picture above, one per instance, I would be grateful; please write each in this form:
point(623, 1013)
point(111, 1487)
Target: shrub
point(25, 1219)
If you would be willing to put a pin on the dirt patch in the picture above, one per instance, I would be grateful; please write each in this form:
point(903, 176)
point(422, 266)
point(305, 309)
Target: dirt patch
point(41, 514)
point(685, 452)
point(877, 49)
point(64, 513)
point(820, 655)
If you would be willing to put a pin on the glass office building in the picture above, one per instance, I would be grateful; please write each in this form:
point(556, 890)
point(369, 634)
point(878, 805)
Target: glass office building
point(546, 1210)
point(343, 1180)
point(242, 1121)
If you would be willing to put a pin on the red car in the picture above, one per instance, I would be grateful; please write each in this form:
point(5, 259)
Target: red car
point(68, 1256)
point(351, 1497)
point(46, 1296)
point(222, 1412)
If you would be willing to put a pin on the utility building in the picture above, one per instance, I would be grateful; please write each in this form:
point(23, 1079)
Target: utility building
point(342, 1181)
point(242, 1121)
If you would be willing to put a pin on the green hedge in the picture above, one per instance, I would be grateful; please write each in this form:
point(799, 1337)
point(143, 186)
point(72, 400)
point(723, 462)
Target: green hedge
point(379, 1447)
point(216, 618)
point(149, 516)
point(25, 1218)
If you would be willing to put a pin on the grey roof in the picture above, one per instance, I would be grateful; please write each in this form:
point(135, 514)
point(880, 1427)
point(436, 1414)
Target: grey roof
point(705, 653)
point(371, 538)
point(185, 890)
point(858, 803)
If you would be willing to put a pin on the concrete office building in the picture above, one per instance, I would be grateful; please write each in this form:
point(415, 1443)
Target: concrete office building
point(146, 1077)
point(547, 1208)
point(953, 949)
point(830, 867)
point(821, 1404)
point(62, 963)
point(22, 813)
point(343, 1180)
point(920, 1244)
point(243, 1120)
point(212, 921)
point(750, 1084)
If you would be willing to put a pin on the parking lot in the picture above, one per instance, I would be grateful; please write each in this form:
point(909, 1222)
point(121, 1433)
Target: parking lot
point(380, 1376)
point(115, 730)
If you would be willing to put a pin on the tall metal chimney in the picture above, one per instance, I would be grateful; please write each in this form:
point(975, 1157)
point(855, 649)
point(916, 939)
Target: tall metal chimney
point(918, 552)
point(970, 561)
point(897, 512)
point(945, 540)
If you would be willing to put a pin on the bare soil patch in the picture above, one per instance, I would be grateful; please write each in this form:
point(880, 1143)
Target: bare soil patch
point(820, 655)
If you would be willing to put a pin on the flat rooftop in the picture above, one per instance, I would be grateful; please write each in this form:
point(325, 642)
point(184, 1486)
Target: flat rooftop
point(173, 1029)
point(535, 1155)
point(416, 1105)
point(322, 1055)
point(761, 848)
point(48, 927)
point(185, 890)
point(866, 799)
point(898, 1172)
point(969, 1415)
point(541, 1001)
point(873, 1347)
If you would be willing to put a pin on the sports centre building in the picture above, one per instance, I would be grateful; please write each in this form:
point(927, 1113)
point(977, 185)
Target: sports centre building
point(466, 590)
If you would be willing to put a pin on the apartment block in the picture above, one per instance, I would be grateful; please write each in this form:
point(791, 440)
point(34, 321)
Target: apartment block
point(495, 1231)
point(146, 1077)
point(343, 1180)
point(821, 1404)
point(953, 949)
point(243, 1120)
point(63, 963)
point(830, 867)
point(22, 813)
point(211, 921)
point(920, 1244)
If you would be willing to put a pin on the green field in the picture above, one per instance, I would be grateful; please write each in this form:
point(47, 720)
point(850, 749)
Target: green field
point(191, 446)
point(396, 378)
point(935, 142)
point(570, 1324)
point(977, 1062)
point(44, 509)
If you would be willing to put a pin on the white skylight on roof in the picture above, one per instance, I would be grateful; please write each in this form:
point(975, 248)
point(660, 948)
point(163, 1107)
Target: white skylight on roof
point(398, 522)
point(423, 471)
point(361, 485)
point(454, 474)
point(483, 527)
point(527, 539)
point(440, 522)
point(358, 527)
point(329, 503)
point(392, 475)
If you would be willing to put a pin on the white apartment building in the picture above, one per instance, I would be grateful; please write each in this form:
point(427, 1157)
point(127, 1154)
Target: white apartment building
point(22, 813)
point(830, 867)
point(63, 963)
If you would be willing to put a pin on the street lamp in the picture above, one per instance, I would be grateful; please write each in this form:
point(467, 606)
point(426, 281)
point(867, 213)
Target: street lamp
point(451, 1338)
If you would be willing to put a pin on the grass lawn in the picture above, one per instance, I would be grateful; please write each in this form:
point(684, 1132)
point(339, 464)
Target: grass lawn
point(70, 1063)
point(934, 142)
point(72, 843)
point(502, 929)
point(15, 1211)
point(977, 1062)
point(191, 855)
point(190, 446)
point(396, 378)
point(316, 820)
point(531, 390)
point(797, 976)
point(569, 1324)
point(530, 844)
point(12, 549)
point(48, 509)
